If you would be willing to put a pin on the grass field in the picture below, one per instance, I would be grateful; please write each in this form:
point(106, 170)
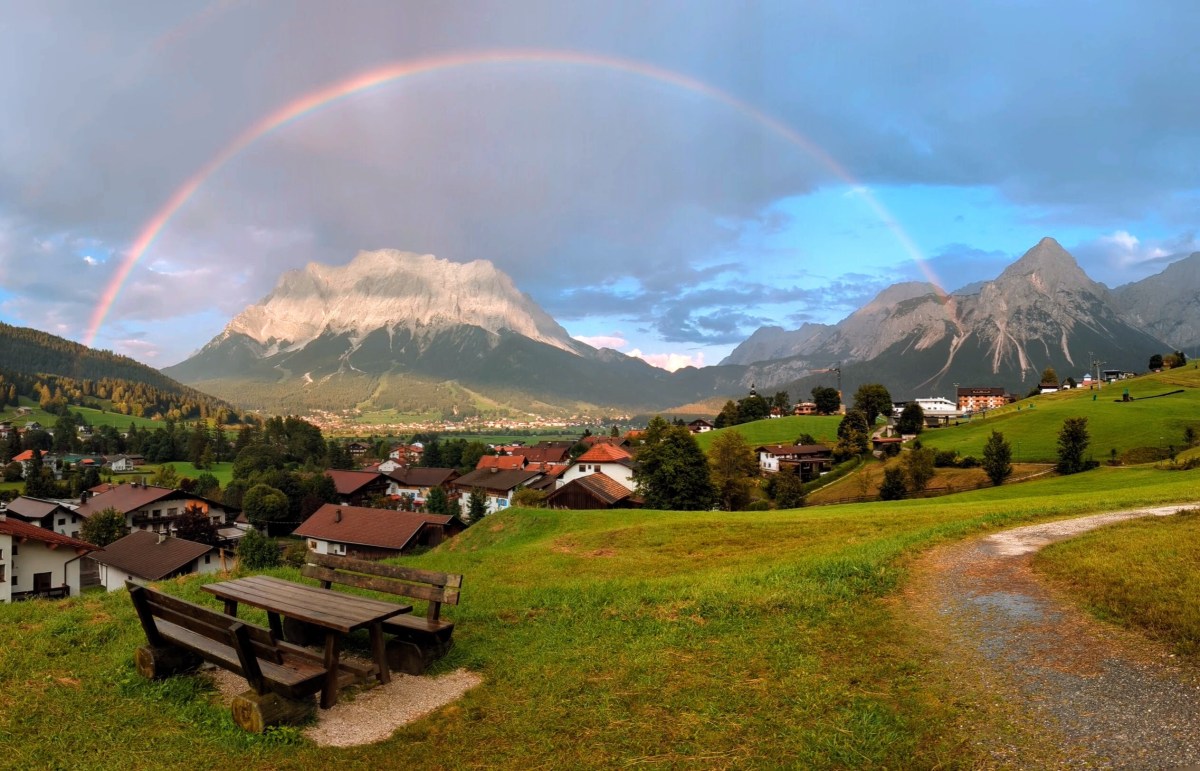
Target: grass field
point(1033, 428)
point(866, 481)
point(222, 471)
point(94, 417)
point(780, 430)
point(1143, 574)
point(605, 639)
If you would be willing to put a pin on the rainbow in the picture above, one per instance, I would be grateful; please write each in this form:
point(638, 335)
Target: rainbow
point(383, 75)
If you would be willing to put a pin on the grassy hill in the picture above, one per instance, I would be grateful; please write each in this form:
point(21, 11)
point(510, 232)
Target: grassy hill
point(779, 430)
point(94, 417)
point(605, 639)
point(1033, 423)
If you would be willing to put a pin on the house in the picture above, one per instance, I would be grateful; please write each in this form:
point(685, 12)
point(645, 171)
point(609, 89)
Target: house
point(84, 431)
point(25, 458)
point(143, 556)
point(120, 464)
point(501, 462)
point(593, 491)
point(49, 515)
point(418, 481)
point(1047, 388)
point(699, 426)
point(805, 408)
point(386, 466)
point(808, 461)
point(36, 562)
point(977, 399)
point(355, 487)
point(365, 533)
point(357, 449)
point(607, 459)
point(147, 507)
point(407, 454)
point(544, 453)
point(498, 485)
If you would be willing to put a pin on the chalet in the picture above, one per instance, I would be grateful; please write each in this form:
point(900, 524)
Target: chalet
point(355, 487)
point(418, 481)
point(36, 562)
point(808, 461)
point(978, 399)
point(84, 431)
point(25, 458)
point(1047, 387)
point(593, 491)
point(549, 455)
point(49, 515)
point(606, 459)
point(501, 462)
point(143, 556)
point(699, 426)
point(147, 507)
point(120, 464)
point(357, 449)
point(364, 533)
point(805, 408)
point(407, 454)
point(498, 485)
point(386, 466)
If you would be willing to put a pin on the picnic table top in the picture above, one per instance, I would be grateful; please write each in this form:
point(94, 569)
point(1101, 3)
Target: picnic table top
point(338, 611)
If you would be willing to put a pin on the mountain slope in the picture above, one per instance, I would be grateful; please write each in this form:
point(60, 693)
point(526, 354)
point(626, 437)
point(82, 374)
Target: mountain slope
point(1167, 304)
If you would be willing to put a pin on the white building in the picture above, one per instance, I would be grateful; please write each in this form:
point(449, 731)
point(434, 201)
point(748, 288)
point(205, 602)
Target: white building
point(35, 561)
point(607, 459)
point(143, 556)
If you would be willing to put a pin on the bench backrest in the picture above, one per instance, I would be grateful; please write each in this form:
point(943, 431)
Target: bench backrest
point(436, 588)
point(249, 641)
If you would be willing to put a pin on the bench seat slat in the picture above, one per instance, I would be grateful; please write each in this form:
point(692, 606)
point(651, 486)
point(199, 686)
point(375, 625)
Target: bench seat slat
point(450, 580)
point(417, 623)
point(382, 584)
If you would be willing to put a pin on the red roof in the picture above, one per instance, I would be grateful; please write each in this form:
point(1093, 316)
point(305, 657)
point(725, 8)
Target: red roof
point(380, 528)
point(604, 453)
point(543, 454)
point(18, 529)
point(26, 455)
point(503, 462)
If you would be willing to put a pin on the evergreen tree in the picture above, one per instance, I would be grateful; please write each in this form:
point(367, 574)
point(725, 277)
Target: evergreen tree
point(997, 458)
point(437, 502)
point(476, 504)
point(892, 488)
point(1073, 439)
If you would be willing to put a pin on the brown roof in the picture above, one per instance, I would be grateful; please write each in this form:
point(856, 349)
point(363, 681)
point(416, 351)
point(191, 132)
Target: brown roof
point(350, 482)
point(127, 498)
point(496, 480)
point(793, 449)
point(600, 485)
point(604, 453)
point(141, 554)
point(18, 529)
point(34, 508)
point(423, 476)
point(381, 528)
point(504, 462)
point(543, 454)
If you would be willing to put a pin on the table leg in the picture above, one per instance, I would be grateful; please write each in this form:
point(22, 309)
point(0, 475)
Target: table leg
point(231, 608)
point(275, 624)
point(329, 693)
point(380, 653)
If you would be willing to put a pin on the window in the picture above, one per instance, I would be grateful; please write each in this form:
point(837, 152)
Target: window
point(62, 520)
point(172, 511)
point(2, 572)
point(15, 549)
point(156, 513)
point(312, 544)
point(207, 559)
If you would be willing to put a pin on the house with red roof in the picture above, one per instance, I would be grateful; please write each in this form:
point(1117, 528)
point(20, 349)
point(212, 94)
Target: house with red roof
point(366, 533)
point(611, 460)
point(354, 488)
point(143, 556)
point(36, 562)
point(501, 462)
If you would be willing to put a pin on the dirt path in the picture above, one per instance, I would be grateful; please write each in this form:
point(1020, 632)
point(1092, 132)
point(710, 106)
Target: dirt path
point(1058, 688)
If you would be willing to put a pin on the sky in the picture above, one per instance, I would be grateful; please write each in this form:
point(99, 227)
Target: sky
point(662, 177)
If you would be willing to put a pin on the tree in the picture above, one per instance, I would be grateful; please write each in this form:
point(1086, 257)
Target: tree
point(257, 552)
point(853, 438)
point(753, 407)
point(912, 419)
point(207, 486)
point(782, 402)
point(437, 502)
point(918, 468)
point(39, 481)
point(672, 471)
point(528, 498)
point(195, 525)
point(892, 488)
point(1173, 360)
point(1073, 441)
point(103, 528)
point(997, 458)
point(1049, 376)
point(806, 439)
point(337, 456)
point(264, 505)
point(873, 400)
point(786, 490)
point(728, 416)
point(166, 476)
point(476, 504)
point(828, 400)
point(1156, 361)
point(732, 469)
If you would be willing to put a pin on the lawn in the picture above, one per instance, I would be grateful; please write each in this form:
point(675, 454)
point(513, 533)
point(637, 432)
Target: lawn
point(779, 430)
point(93, 417)
point(1143, 574)
point(222, 471)
point(605, 639)
point(1032, 425)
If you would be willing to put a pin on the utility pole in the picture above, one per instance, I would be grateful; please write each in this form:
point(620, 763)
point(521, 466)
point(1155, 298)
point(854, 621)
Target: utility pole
point(1096, 366)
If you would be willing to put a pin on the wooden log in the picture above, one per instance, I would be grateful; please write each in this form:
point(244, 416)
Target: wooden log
point(255, 712)
point(156, 663)
point(301, 632)
point(408, 657)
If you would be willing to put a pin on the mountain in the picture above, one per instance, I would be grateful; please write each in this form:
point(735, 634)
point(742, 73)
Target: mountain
point(1167, 305)
point(390, 324)
point(1042, 311)
point(31, 358)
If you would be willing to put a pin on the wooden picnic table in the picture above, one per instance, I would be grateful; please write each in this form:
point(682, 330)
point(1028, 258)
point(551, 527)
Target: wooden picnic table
point(335, 612)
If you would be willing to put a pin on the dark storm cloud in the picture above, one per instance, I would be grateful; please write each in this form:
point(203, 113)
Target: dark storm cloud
point(568, 177)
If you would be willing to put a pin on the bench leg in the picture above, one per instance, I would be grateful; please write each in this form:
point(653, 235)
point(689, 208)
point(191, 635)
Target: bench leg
point(255, 712)
point(156, 663)
point(379, 653)
point(275, 624)
point(329, 693)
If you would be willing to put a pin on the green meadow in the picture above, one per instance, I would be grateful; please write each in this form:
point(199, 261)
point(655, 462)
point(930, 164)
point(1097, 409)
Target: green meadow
point(94, 417)
point(779, 431)
point(605, 639)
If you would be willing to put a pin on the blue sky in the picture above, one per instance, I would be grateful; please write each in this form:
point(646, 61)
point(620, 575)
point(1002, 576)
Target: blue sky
point(825, 149)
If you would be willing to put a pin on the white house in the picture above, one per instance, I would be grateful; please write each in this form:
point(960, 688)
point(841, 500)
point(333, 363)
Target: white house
point(498, 485)
point(143, 556)
point(36, 562)
point(608, 459)
point(147, 507)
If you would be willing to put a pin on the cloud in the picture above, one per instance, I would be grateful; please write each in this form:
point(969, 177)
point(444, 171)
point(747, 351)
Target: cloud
point(670, 361)
point(614, 341)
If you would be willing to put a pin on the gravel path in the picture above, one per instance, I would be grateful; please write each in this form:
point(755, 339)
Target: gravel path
point(1099, 696)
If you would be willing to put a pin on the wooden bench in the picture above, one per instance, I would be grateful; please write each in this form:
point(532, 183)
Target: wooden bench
point(418, 641)
point(282, 677)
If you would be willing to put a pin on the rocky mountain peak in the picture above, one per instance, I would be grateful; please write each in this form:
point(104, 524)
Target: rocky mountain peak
point(1049, 268)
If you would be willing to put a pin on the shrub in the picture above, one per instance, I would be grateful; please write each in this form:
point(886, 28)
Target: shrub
point(257, 552)
point(946, 458)
point(759, 505)
point(968, 461)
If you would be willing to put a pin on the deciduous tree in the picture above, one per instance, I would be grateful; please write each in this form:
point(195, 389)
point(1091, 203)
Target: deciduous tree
point(672, 471)
point(873, 400)
point(918, 468)
point(892, 488)
point(103, 527)
point(827, 399)
point(732, 469)
point(912, 419)
point(997, 458)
